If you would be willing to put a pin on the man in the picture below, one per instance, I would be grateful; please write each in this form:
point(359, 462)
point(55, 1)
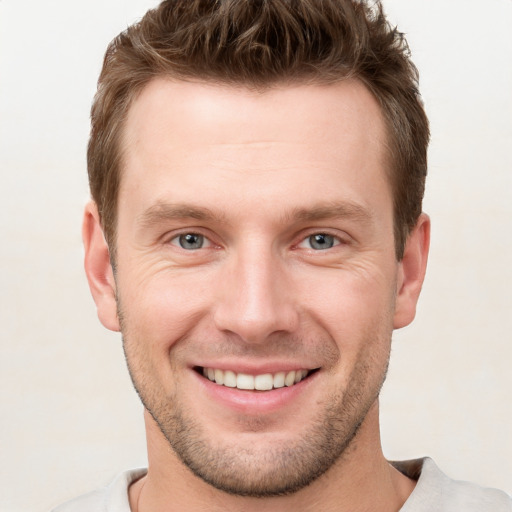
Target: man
point(256, 234)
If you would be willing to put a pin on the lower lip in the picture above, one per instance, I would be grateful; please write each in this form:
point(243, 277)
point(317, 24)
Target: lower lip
point(255, 402)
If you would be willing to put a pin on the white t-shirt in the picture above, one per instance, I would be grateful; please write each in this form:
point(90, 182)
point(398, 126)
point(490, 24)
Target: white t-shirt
point(434, 492)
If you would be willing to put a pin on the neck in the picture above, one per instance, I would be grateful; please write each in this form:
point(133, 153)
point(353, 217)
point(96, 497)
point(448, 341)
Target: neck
point(360, 480)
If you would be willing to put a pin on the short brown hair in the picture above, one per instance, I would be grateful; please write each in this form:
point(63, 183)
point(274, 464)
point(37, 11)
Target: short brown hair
point(260, 43)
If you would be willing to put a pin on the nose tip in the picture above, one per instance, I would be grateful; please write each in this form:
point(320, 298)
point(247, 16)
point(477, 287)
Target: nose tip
point(256, 328)
point(255, 303)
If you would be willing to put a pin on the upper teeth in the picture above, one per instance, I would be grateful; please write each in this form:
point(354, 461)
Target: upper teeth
point(262, 382)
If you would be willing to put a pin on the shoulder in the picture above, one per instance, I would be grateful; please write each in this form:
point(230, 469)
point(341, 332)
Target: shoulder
point(112, 498)
point(435, 491)
point(93, 501)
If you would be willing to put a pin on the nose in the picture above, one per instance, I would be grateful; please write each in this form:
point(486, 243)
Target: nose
point(255, 299)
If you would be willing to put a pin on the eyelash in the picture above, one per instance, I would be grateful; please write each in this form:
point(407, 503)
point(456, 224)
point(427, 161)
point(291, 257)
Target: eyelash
point(206, 243)
point(321, 237)
point(176, 240)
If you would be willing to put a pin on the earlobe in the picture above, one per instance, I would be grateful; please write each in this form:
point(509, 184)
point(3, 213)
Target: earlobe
point(411, 272)
point(99, 269)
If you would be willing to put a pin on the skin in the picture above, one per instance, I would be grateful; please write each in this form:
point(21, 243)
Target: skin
point(257, 175)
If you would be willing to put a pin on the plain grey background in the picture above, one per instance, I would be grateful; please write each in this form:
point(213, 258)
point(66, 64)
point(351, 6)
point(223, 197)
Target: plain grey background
point(70, 419)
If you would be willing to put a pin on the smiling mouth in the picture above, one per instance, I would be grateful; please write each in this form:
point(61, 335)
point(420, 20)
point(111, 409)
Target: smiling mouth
point(263, 382)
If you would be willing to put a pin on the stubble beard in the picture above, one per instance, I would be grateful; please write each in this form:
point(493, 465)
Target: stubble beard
point(284, 467)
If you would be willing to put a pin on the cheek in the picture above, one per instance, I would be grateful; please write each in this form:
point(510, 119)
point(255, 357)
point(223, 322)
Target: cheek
point(161, 309)
point(350, 303)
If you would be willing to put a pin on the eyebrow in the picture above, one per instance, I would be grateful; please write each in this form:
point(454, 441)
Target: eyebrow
point(161, 212)
point(348, 210)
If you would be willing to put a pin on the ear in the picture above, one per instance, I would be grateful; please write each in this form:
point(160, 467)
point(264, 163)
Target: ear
point(411, 272)
point(98, 268)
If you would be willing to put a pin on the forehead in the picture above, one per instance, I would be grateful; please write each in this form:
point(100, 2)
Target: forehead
point(204, 135)
point(197, 107)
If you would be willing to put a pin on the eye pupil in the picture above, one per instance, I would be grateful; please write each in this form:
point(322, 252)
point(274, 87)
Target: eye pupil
point(321, 241)
point(191, 241)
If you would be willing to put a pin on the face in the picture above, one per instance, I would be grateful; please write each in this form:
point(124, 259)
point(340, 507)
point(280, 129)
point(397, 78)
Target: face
point(256, 279)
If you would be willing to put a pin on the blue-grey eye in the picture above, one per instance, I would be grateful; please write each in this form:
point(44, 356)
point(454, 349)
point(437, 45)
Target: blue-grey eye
point(321, 241)
point(191, 241)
